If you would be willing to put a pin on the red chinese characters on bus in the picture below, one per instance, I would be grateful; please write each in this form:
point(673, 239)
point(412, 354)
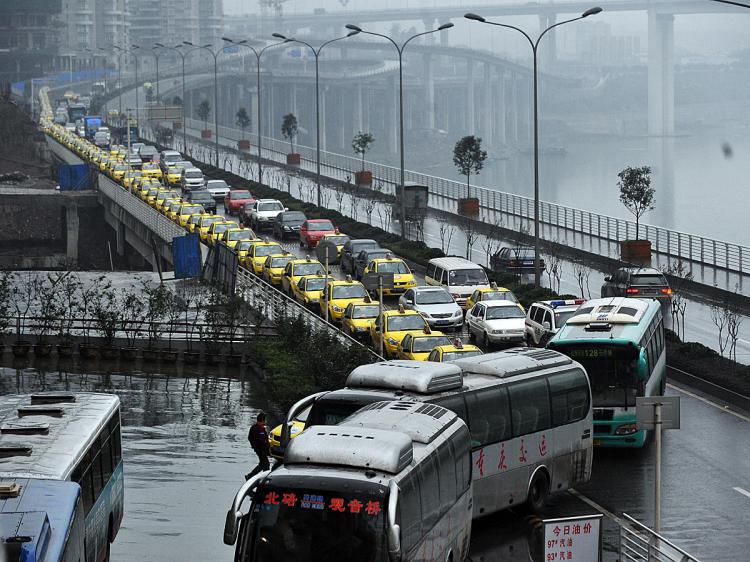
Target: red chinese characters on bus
point(480, 463)
point(272, 498)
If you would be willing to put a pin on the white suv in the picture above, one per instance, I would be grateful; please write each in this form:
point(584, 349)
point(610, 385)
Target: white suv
point(263, 213)
point(545, 318)
point(191, 179)
point(495, 322)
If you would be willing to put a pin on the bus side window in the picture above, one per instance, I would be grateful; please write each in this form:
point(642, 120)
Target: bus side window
point(488, 416)
point(462, 455)
point(82, 476)
point(569, 395)
point(530, 406)
point(410, 511)
point(116, 445)
point(447, 475)
point(429, 487)
point(96, 472)
point(107, 466)
point(431, 268)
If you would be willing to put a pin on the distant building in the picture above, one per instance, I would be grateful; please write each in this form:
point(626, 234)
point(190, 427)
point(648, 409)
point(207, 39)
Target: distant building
point(595, 43)
point(173, 21)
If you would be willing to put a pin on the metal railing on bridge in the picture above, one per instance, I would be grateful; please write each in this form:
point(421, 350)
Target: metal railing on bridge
point(672, 243)
point(638, 543)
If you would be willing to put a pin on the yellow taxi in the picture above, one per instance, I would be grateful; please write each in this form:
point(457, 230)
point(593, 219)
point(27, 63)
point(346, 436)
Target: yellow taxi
point(392, 326)
point(338, 294)
point(192, 223)
point(258, 252)
point(456, 350)
point(205, 223)
point(296, 269)
point(174, 175)
point(217, 229)
point(104, 163)
point(403, 278)
point(308, 290)
point(296, 427)
point(162, 197)
point(418, 345)
point(151, 170)
point(491, 293)
point(142, 185)
point(234, 235)
point(150, 195)
point(186, 211)
point(359, 316)
point(273, 267)
point(172, 210)
point(129, 177)
point(337, 239)
point(118, 171)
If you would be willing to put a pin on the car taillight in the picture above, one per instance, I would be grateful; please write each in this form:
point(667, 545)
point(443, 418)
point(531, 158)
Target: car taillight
point(667, 291)
point(632, 291)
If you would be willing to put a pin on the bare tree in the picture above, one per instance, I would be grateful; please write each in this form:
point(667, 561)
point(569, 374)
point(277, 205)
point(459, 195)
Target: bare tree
point(369, 207)
point(553, 268)
point(720, 318)
point(447, 231)
point(734, 321)
point(339, 195)
point(325, 197)
point(471, 232)
point(582, 272)
point(681, 277)
point(353, 207)
point(385, 212)
point(490, 243)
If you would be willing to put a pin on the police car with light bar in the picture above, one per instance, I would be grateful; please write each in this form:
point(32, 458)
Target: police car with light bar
point(544, 318)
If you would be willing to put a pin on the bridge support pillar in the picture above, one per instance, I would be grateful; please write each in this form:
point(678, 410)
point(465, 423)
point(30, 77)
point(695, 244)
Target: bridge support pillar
point(470, 114)
point(549, 50)
point(488, 110)
point(514, 108)
point(120, 238)
point(359, 108)
point(391, 115)
point(660, 73)
point(501, 108)
point(71, 233)
point(429, 92)
point(323, 97)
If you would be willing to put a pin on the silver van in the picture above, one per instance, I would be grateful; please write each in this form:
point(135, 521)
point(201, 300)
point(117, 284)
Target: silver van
point(460, 276)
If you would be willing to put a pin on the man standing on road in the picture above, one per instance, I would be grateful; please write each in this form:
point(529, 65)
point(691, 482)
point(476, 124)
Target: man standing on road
point(258, 437)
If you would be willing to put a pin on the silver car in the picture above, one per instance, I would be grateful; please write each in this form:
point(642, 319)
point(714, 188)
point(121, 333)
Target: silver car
point(436, 305)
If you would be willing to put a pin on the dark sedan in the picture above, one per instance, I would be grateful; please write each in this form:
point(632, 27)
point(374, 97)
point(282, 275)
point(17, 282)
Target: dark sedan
point(365, 257)
point(351, 249)
point(287, 224)
point(202, 197)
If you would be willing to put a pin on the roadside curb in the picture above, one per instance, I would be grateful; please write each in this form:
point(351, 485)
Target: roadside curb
point(715, 390)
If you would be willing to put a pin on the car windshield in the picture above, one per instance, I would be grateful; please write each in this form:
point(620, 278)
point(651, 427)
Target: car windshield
point(427, 343)
point(241, 235)
point(367, 256)
point(433, 297)
point(280, 262)
point(190, 209)
point(217, 184)
point(499, 296)
point(452, 355)
point(313, 268)
point(562, 317)
point(193, 175)
point(315, 283)
point(467, 277)
point(307, 525)
point(320, 226)
point(392, 267)
point(149, 166)
point(274, 206)
point(194, 219)
point(293, 217)
point(353, 291)
point(359, 245)
point(208, 221)
point(650, 280)
point(200, 196)
point(268, 250)
point(405, 322)
point(220, 228)
point(338, 239)
point(365, 311)
point(240, 194)
point(502, 312)
point(243, 245)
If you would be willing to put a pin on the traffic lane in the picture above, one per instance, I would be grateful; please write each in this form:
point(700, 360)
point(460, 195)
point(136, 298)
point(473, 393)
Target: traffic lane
point(702, 465)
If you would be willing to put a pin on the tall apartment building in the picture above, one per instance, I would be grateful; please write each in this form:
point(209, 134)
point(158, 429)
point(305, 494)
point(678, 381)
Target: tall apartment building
point(173, 21)
point(112, 23)
point(211, 17)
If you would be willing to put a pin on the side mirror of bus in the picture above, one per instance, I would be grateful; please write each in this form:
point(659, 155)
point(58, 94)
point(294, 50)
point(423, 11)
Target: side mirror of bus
point(231, 527)
point(394, 543)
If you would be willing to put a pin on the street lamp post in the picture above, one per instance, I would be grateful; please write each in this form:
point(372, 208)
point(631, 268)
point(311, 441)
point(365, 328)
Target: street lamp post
point(137, 101)
point(156, 58)
point(534, 49)
point(400, 50)
point(258, 54)
point(316, 52)
point(215, 55)
point(176, 49)
point(120, 52)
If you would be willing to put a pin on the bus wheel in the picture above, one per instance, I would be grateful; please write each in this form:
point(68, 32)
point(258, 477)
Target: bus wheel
point(538, 492)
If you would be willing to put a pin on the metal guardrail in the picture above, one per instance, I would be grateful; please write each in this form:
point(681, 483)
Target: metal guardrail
point(276, 306)
point(157, 223)
point(680, 245)
point(638, 543)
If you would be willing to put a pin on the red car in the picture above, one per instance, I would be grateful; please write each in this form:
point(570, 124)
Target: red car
point(235, 199)
point(312, 230)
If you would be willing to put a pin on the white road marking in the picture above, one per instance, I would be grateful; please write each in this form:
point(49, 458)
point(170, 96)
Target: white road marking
point(595, 505)
point(724, 408)
point(741, 491)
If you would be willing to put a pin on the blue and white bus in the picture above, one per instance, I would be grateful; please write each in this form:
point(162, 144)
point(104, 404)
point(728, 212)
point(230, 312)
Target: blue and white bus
point(620, 343)
point(69, 437)
point(41, 520)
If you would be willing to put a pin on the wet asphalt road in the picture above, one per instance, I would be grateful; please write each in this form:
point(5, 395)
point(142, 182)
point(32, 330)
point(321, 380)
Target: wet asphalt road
point(185, 451)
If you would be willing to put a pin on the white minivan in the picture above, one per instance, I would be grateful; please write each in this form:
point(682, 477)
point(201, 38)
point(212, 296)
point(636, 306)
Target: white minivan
point(460, 276)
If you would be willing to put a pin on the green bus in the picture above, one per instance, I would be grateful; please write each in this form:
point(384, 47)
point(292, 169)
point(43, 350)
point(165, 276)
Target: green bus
point(620, 343)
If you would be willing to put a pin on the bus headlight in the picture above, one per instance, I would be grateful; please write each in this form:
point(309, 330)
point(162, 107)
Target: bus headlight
point(627, 429)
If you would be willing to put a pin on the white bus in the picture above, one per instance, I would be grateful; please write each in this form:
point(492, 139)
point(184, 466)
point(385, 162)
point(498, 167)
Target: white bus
point(390, 482)
point(75, 437)
point(529, 412)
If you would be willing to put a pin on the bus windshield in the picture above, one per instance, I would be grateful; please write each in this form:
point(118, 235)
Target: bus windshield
point(612, 369)
point(319, 525)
